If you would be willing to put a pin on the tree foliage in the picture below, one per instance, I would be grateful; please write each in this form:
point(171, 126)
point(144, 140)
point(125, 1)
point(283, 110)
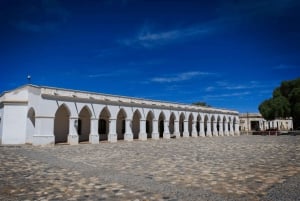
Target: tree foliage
point(204, 104)
point(285, 102)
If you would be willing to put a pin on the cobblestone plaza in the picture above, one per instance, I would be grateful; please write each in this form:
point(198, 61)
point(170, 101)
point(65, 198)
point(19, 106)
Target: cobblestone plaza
point(215, 168)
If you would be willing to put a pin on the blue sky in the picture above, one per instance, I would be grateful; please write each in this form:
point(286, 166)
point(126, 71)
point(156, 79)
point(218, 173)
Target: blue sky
point(229, 54)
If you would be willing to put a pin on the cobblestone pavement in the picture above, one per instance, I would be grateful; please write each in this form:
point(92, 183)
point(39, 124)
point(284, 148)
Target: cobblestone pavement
point(216, 168)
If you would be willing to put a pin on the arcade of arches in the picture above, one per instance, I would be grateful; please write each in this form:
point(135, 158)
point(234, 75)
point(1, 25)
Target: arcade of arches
point(136, 127)
point(51, 115)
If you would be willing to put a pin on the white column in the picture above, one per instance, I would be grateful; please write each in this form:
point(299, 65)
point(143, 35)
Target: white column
point(231, 129)
point(43, 131)
point(186, 128)
point(176, 129)
point(226, 129)
point(237, 130)
point(155, 134)
point(128, 136)
point(221, 133)
point(143, 134)
point(194, 131)
point(73, 136)
point(215, 133)
point(112, 135)
point(166, 133)
point(208, 132)
point(201, 132)
point(94, 136)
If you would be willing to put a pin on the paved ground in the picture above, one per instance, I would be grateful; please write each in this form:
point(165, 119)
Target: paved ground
point(217, 168)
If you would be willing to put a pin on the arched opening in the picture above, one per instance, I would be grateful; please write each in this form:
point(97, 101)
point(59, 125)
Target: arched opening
point(149, 124)
point(103, 124)
point(181, 124)
point(161, 126)
point(61, 124)
point(121, 124)
point(229, 122)
point(224, 124)
point(191, 119)
point(205, 124)
point(234, 122)
point(136, 124)
point(198, 124)
point(84, 124)
point(218, 124)
point(172, 123)
point(30, 125)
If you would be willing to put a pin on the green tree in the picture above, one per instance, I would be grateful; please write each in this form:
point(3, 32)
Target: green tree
point(204, 104)
point(285, 102)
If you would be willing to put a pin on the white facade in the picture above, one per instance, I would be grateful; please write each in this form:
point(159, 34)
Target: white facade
point(44, 115)
point(255, 122)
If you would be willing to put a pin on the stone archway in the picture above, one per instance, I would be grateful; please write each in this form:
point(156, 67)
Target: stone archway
point(181, 124)
point(205, 124)
point(103, 124)
point(121, 124)
point(198, 124)
point(190, 124)
point(136, 120)
point(84, 124)
point(218, 125)
point(172, 123)
point(149, 124)
point(161, 126)
point(61, 124)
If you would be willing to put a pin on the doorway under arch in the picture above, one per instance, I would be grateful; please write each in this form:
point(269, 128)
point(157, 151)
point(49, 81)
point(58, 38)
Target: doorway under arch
point(121, 121)
point(149, 124)
point(103, 124)
point(161, 126)
point(172, 123)
point(136, 124)
point(84, 124)
point(61, 124)
point(181, 124)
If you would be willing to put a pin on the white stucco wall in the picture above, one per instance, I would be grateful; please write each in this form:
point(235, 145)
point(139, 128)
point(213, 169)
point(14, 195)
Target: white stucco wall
point(29, 113)
point(1, 123)
point(14, 127)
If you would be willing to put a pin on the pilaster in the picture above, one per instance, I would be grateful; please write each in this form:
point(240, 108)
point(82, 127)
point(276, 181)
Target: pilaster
point(73, 136)
point(194, 131)
point(186, 129)
point(176, 129)
point(215, 130)
point(112, 135)
point(128, 136)
point(208, 132)
point(155, 134)
point(166, 133)
point(202, 132)
point(94, 136)
point(143, 134)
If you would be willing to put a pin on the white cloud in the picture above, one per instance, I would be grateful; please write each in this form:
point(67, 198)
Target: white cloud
point(180, 77)
point(209, 89)
point(228, 95)
point(148, 38)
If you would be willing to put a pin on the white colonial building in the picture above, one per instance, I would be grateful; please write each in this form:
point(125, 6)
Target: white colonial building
point(255, 122)
point(44, 115)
